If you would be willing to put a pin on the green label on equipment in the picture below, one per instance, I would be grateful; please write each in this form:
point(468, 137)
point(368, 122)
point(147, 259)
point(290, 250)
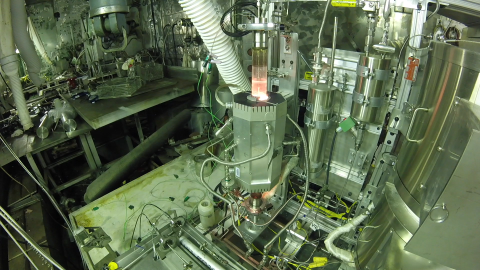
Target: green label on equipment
point(344, 3)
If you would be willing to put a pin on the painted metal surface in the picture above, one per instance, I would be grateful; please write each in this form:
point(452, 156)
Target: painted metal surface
point(117, 211)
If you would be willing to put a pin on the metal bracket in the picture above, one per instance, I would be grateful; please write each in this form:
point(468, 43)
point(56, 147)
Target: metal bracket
point(319, 110)
point(376, 74)
point(359, 160)
point(317, 124)
point(126, 39)
point(371, 102)
point(258, 26)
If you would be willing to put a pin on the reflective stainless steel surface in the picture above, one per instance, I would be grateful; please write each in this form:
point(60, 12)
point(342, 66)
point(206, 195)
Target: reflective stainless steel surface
point(451, 72)
point(318, 118)
point(249, 119)
point(369, 93)
point(453, 219)
point(398, 216)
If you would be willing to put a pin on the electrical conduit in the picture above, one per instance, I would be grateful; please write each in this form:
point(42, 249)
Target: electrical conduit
point(9, 63)
point(23, 41)
point(206, 20)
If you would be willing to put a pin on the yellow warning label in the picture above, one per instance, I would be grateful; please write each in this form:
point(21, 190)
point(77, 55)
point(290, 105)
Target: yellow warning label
point(308, 75)
point(344, 3)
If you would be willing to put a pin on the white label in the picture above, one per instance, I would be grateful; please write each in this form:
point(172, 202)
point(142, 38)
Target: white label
point(237, 171)
point(314, 226)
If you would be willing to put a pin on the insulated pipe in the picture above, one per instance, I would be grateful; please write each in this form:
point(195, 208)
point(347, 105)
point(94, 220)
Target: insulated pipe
point(345, 255)
point(111, 179)
point(206, 20)
point(197, 252)
point(23, 41)
point(9, 63)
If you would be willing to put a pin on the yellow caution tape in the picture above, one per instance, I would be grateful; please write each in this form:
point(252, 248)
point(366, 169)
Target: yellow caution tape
point(344, 3)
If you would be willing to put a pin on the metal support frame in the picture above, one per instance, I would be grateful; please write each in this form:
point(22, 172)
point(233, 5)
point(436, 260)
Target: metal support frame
point(46, 170)
point(87, 152)
point(138, 123)
point(418, 19)
point(93, 149)
point(35, 169)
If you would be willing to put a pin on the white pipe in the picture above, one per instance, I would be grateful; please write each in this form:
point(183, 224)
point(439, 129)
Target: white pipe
point(207, 260)
point(24, 42)
point(9, 63)
point(285, 173)
point(345, 255)
point(207, 21)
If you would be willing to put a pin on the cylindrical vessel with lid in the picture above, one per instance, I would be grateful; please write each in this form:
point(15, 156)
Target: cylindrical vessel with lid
point(318, 118)
point(369, 94)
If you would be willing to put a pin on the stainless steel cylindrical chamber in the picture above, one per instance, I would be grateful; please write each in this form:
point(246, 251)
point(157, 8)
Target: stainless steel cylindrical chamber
point(369, 94)
point(250, 135)
point(46, 124)
point(318, 118)
point(451, 73)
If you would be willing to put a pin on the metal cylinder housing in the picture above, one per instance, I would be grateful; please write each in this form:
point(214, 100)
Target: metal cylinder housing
point(249, 119)
point(369, 93)
point(318, 118)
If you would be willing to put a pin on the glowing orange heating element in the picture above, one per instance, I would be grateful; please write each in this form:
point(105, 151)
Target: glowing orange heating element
point(259, 73)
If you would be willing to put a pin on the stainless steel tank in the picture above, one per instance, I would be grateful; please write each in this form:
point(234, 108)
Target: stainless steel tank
point(450, 72)
point(429, 153)
point(249, 119)
point(369, 94)
point(318, 118)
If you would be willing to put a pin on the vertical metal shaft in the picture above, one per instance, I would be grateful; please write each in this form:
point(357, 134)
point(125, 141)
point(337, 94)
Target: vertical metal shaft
point(334, 47)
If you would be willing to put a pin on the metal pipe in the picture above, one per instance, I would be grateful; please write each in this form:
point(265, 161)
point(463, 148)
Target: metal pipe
point(322, 25)
point(197, 252)
point(4, 214)
point(225, 163)
point(24, 42)
point(18, 245)
point(110, 179)
point(44, 189)
point(334, 47)
point(269, 245)
point(305, 60)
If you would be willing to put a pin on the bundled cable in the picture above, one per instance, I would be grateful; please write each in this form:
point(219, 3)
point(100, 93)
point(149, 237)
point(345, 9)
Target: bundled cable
point(238, 9)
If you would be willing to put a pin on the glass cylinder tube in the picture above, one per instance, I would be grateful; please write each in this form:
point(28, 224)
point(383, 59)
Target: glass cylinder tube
point(259, 73)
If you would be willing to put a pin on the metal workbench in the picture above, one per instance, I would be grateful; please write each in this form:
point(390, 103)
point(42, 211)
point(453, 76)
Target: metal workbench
point(166, 187)
point(107, 111)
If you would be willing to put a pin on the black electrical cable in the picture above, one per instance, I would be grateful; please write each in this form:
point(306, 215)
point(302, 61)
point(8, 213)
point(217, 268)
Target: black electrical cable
point(330, 157)
point(5, 82)
point(238, 7)
point(139, 218)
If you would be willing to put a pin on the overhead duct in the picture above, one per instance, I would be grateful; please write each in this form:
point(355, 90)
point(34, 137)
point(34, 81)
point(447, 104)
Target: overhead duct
point(9, 63)
point(112, 178)
point(203, 15)
point(23, 41)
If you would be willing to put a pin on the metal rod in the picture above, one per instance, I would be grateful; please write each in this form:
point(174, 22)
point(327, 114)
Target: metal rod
point(269, 245)
point(27, 237)
point(50, 197)
point(18, 245)
point(334, 47)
